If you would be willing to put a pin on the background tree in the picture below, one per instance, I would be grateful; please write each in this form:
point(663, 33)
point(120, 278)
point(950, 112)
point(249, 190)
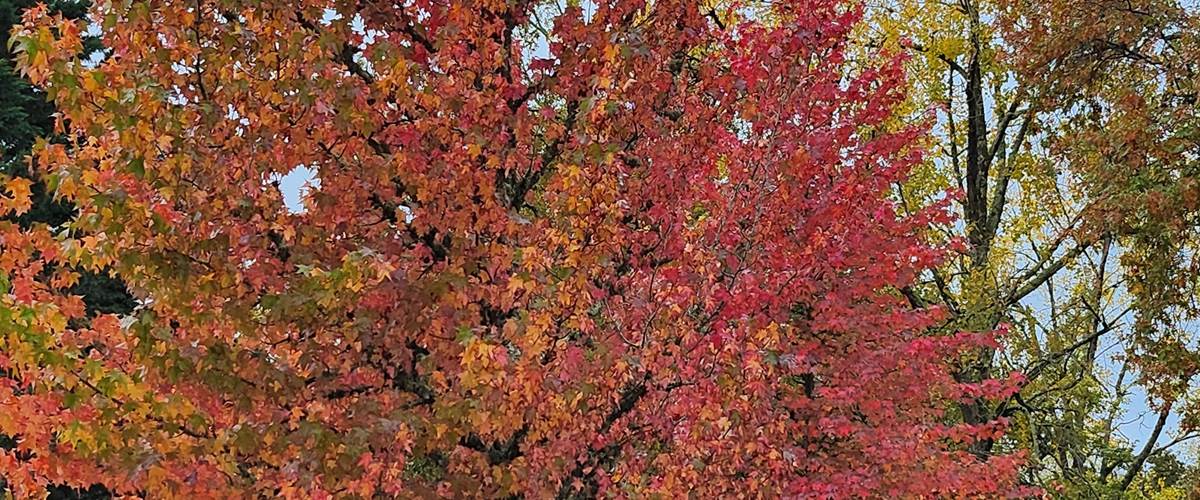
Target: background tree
point(1069, 127)
point(627, 248)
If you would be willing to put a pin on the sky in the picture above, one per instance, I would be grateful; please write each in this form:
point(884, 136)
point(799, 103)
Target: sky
point(294, 185)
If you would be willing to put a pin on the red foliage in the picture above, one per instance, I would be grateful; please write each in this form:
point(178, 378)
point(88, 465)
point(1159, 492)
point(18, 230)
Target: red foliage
point(659, 258)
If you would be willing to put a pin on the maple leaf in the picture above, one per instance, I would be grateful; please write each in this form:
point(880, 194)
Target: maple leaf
point(19, 195)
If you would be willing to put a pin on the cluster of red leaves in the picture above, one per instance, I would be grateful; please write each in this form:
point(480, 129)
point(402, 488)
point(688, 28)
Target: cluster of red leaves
point(649, 253)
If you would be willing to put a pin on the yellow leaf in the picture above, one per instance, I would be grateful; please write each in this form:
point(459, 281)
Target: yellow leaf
point(89, 83)
point(19, 194)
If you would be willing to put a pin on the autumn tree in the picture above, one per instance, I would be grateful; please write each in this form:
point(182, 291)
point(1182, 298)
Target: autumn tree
point(1070, 128)
point(627, 248)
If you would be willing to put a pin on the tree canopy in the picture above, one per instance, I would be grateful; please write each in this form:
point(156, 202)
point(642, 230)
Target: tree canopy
point(624, 248)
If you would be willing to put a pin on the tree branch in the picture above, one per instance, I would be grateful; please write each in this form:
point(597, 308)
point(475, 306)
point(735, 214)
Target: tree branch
point(1136, 467)
point(1034, 278)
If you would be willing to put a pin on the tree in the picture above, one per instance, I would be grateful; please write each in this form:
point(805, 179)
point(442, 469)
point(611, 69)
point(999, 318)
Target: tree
point(1070, 128)
point(630, 248)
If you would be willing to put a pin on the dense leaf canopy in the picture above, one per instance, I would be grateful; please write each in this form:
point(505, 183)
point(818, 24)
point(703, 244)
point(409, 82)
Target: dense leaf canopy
point(577, 249)
point(627, 249)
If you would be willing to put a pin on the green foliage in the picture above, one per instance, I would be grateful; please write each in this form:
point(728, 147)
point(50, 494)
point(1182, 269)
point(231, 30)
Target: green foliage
point(1068, 127)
